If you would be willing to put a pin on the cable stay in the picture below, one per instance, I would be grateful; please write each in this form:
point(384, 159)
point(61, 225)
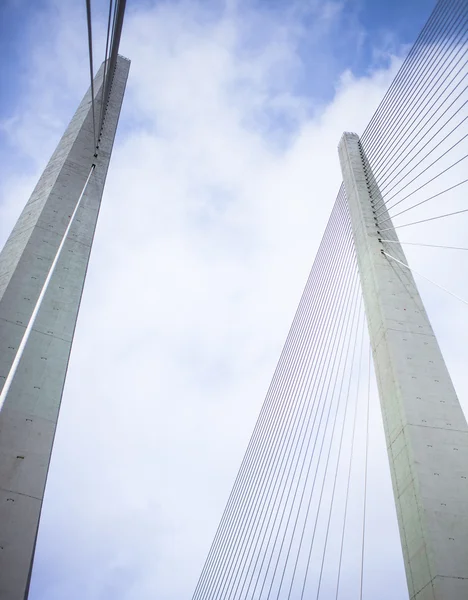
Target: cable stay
point(420, 244)
point(115, 16)
point(423, 201)
point(424, 277)
point(91, 69)
point(451, 214)
point(106, 69)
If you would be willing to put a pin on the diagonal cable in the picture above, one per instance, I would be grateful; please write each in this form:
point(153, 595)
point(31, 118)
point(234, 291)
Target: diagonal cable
point(91, 69)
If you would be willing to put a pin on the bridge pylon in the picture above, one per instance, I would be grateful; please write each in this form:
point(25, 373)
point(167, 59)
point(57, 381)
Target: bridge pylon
point(425, 428)
point(42, 273)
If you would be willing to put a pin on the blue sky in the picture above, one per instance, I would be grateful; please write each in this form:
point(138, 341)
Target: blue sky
point(358, 35)
point(223, 175)
point(364, 27)
point(398, 21)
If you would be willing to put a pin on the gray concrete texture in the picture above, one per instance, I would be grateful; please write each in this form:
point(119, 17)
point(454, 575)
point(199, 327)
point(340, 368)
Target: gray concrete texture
point(29, 416)
point(425, 428)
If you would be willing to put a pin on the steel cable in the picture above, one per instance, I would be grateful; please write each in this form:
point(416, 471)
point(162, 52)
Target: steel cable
point(407, 118)
point(340, 448)
point(296, 356)
point(294, 323)
point(420, 128)
point(451, 214)
point(280, 452)
point(276, 452)
point(424, 277)
point(91, 69)
point(327, 462)
point(419, 244)
point(299, 436)
point(366, 466)
point(104, 78)
point(429, 180)
point(429, 166)
point(350, 464)
point(452, 187)
point(303, 461)
point(373, 132)
point(404, 73)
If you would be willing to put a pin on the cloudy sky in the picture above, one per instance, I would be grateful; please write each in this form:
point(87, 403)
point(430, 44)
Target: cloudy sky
point(224, 173)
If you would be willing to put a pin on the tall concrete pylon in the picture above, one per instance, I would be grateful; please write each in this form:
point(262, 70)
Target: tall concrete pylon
point(425, 428)
point(30, 410)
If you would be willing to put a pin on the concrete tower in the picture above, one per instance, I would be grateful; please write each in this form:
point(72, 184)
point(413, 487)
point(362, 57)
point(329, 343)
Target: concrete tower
point(425, 428)
point(29, 414)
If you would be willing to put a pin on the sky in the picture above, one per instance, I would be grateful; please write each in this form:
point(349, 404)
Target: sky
point(224, 172)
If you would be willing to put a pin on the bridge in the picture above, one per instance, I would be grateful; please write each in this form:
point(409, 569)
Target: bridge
point(297, 511)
